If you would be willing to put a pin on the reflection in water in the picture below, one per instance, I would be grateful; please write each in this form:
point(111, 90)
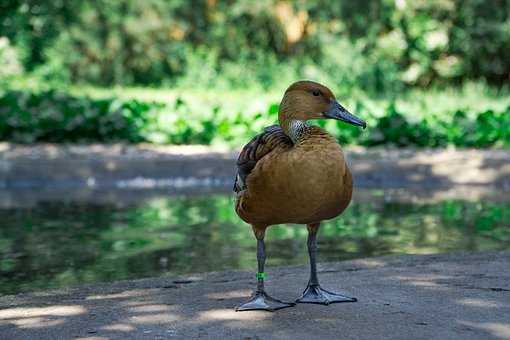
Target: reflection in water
point(57, 244)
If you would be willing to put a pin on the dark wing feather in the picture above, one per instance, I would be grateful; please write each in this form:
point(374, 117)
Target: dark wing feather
point(257, 148)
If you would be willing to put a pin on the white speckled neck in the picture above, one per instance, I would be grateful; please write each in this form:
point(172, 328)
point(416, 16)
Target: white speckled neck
point(295, 129)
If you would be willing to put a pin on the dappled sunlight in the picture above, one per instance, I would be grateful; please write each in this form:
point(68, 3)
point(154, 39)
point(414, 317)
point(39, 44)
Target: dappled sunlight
point(182, 150)
point(154, 318)
point(136, 312)
point(233, 294)
point(135, 303)
point(145, 312)
point(119, 327)
point(482, 303)
point(151, 308)
point(425, 280)
point(468, 170)
point(497, 329)
point(419, 290)
point(231, 314)
point(111, 165)
point(122, 295)
point(427, 284)
point(370, 263)
point(42, 311)
point(37, 322)
point(39, 317)
point(421, 277)
point(153, 314)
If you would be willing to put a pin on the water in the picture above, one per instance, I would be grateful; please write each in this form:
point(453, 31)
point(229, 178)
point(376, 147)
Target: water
point(61, 241)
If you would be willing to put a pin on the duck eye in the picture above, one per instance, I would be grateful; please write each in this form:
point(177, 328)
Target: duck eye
point(316, 92)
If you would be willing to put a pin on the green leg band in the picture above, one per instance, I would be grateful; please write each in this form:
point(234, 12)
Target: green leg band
point(261, 276)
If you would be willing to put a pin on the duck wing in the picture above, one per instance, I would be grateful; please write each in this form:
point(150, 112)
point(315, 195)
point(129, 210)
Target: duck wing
point(262, 144)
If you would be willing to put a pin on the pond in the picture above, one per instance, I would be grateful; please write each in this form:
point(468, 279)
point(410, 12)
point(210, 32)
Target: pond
point(58, 242)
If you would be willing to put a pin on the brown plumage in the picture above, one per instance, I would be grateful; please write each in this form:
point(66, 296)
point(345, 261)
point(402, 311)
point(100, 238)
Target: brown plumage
point(285, 183)
point(282, 182)
point(294, 173)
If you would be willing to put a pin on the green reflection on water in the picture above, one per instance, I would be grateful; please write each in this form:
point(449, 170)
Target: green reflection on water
point(60, 244)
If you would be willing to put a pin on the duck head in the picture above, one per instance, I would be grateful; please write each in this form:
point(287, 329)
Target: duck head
point(305, 100)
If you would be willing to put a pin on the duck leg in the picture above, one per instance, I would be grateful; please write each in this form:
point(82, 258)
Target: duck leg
point(260, 300)
point(314, 293)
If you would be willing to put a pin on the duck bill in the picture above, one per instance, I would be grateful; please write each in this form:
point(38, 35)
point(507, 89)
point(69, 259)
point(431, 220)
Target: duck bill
point(338, 112)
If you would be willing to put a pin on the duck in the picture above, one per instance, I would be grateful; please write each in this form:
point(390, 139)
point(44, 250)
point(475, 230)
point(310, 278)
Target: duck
point(294, 173)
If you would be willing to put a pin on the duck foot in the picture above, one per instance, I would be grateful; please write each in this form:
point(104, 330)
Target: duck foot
point(261, 301)
point(318, 295)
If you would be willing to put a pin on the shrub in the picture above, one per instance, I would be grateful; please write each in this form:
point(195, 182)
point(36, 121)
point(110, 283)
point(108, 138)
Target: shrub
point(56, 117)
point(384, 44)
point(9, 60)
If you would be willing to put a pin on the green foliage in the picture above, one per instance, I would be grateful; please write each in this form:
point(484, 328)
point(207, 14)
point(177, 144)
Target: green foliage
point(379, 48)
point(56, 117)
point(479, 129)
point(9, 60)
point(376, 45)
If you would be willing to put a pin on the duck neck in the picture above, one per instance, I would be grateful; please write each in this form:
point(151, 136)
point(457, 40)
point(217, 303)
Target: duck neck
point(294, 128)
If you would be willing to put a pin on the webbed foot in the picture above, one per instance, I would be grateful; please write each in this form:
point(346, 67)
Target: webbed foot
point(260, 300)
point(318, 295)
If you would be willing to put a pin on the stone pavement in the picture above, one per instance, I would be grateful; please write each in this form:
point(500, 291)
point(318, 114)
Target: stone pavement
point(451, 296)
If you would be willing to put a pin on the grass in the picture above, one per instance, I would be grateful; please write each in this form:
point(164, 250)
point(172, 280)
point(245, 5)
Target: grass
point(418, 103)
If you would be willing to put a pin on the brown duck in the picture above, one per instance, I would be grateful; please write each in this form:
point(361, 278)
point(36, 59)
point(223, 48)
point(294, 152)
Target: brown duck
point(294, 173)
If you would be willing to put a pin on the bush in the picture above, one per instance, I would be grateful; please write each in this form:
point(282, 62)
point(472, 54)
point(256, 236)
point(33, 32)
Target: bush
point(481, 129)
point(386, 43)
point(9, 60)
point(56, 117)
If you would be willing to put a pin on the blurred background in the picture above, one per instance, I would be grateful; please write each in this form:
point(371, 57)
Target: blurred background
point(423, 74)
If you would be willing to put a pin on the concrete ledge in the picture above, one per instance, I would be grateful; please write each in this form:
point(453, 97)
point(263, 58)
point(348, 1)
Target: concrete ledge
point(453, 296)
point(185, 167)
